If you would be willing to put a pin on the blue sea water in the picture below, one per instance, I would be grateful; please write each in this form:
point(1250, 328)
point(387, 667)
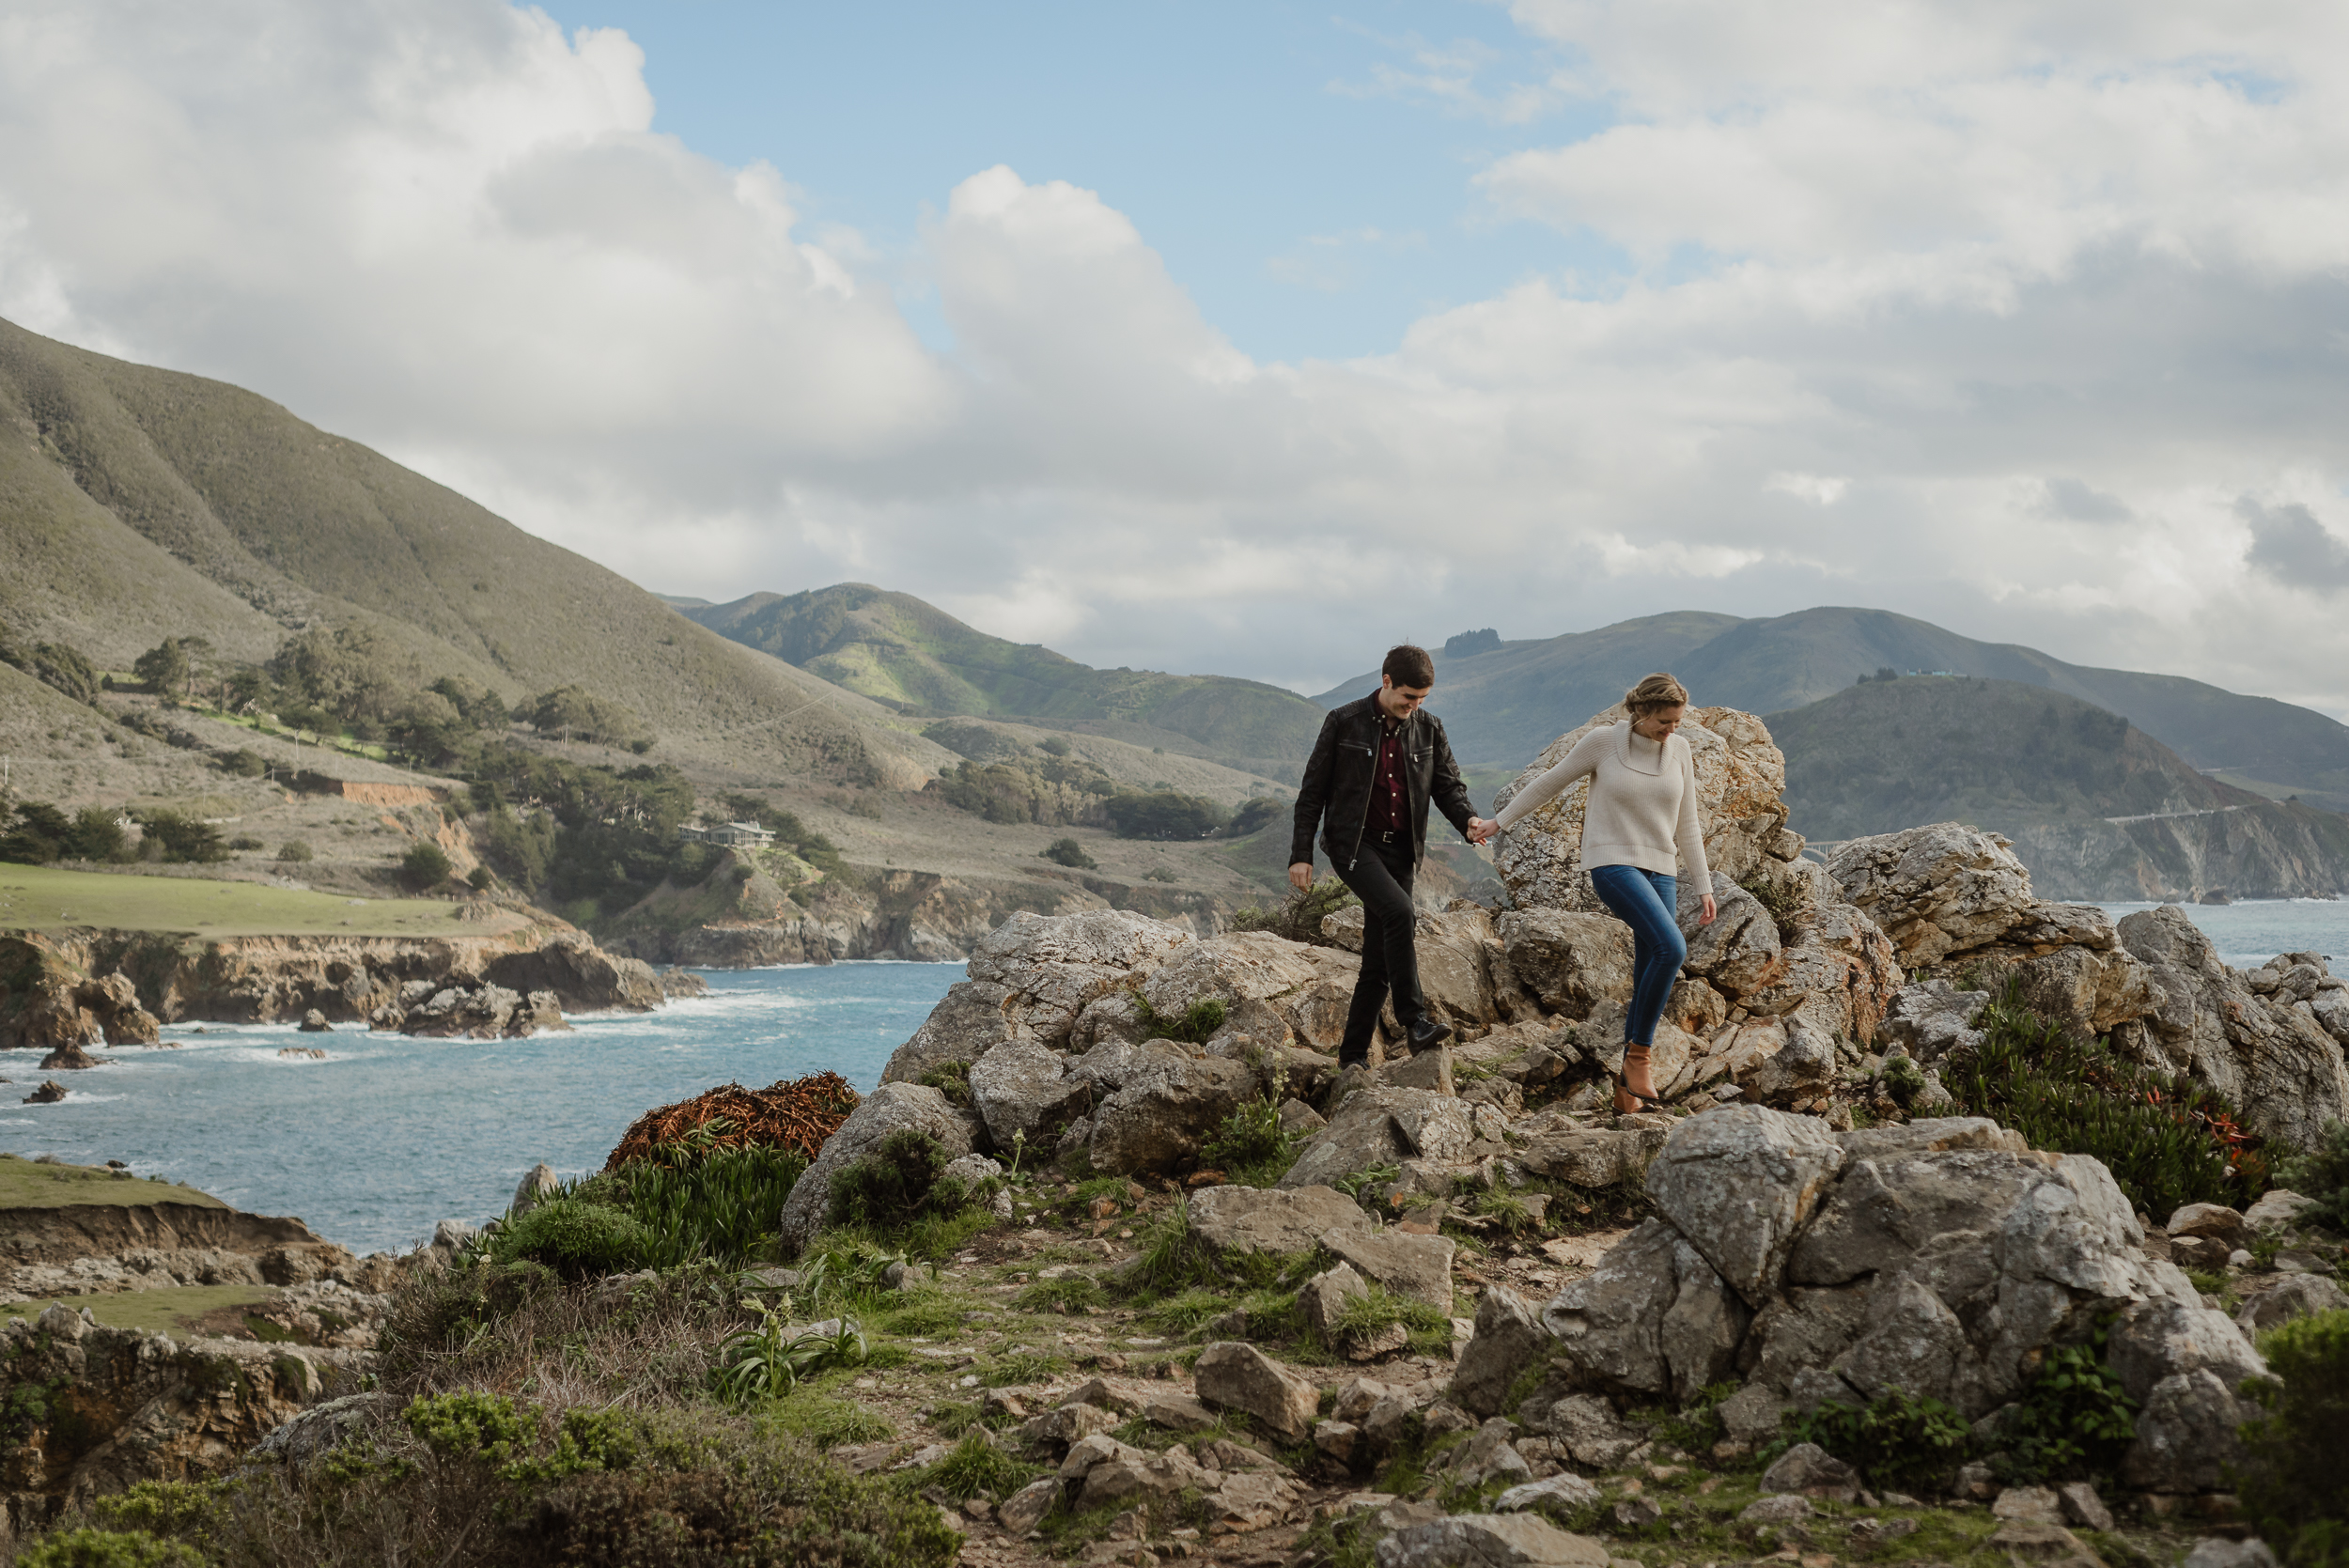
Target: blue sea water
point(389, 1135)
point(2248, 935)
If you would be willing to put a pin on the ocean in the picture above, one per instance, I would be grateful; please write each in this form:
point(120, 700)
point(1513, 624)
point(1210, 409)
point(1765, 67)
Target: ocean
point(389, 1135)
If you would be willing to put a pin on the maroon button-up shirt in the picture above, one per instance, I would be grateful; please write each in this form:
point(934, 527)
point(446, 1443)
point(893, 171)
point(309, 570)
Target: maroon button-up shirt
point(1390, 797)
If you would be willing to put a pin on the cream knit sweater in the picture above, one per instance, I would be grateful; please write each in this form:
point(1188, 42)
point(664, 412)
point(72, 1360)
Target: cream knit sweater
point(1643, 805)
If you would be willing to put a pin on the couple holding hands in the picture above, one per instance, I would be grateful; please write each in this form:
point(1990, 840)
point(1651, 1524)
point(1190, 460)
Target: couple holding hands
point(1381, 761)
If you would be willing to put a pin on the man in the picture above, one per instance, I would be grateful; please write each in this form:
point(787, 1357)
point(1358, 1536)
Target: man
point(1378, 764)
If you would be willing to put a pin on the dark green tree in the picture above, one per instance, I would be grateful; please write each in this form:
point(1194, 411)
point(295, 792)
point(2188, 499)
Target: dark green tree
point(425, 866)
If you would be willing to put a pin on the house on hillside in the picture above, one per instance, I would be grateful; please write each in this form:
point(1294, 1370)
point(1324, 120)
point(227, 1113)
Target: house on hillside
point(731, 834)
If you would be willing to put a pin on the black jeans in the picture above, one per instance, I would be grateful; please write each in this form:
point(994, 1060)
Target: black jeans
point(1381, 878)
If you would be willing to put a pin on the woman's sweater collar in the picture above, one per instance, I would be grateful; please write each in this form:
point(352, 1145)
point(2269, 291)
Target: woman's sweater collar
point(1641, 754)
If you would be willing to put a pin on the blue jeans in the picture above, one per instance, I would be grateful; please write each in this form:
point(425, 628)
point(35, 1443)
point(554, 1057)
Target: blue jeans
point(1646, 902)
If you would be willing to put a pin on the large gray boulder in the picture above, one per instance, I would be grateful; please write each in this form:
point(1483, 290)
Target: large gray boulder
point(892, 1107)
point(1738, 1183)
point(1489, 1541)
point(1275, 991)
point(1272, 1221)
point(1571, 962)
point(1234, 1376)
point(2266, 1052)
point(1418, 1268)
point(1051, 966)
point(1653, 1318)
point(1931, 1018)
point(1381, 1126)
point(1022, 1087)
point(971, 1018)
point(1508, 1340)
point(1935, 889)
point(1157, 1119)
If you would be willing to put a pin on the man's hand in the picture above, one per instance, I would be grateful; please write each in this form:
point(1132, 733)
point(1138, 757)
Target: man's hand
point(1301, 875)
point(1706, 918)
point(1481, 830)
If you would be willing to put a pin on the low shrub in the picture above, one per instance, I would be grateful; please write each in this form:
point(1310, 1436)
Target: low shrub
point(952, 1079)
point(2168, 1141)
point(2294, 1485)
point(1298, 917)
point(704, 1201)
point(1068, 852)
point(2073, 1421)
point(1896, 1440)
point(110, 1548)
point(294, 851)
point(425, 865)
point(1251, 1147)
point(2322, 1175)
point(574, 1237)
point(897, 1184)
point(1197, 1025)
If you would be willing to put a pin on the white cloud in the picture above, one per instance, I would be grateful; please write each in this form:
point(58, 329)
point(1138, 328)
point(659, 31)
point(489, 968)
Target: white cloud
point(1991, 313)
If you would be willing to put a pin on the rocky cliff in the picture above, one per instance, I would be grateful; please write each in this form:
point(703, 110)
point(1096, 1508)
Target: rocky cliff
point(81, 988)
point(740, 916)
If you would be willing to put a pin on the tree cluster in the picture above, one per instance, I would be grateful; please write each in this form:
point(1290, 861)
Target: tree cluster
point(53, 664)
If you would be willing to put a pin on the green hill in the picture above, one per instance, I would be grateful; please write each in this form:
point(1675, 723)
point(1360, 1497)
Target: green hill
point(2096, 807)
point(916, 658)
point(1504, 705)
point(140, 504)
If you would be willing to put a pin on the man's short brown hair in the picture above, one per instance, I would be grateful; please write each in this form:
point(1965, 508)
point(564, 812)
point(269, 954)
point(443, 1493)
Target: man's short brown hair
point(1409, 664)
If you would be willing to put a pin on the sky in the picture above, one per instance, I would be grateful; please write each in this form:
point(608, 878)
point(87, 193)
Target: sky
point(1248, 339)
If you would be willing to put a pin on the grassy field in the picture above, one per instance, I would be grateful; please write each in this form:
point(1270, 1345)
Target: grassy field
point(178, 1310)
point(26, 1184)
point(36, 898)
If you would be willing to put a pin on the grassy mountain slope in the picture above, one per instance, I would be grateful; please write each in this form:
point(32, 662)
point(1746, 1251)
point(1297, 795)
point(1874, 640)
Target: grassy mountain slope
point(137, 503)
point(1505, 706)
point(917, 659)
point(2052, 773)
point(1511, 702)
point(1769, 665)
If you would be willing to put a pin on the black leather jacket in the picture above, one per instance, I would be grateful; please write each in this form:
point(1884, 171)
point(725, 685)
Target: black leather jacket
point(1336, 790)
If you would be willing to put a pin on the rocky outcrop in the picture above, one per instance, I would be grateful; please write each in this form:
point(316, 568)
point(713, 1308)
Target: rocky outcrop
point(99, 1409)
point(890, 1109)
point(81, 988)
point(484, 1010)
point(90, 1248)
point(1959, 906)
point(1940, 1257)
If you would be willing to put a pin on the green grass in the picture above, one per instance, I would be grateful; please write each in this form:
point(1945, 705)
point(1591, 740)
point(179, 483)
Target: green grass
point(34, 897)
point(176, 1309)
point(26, 1184)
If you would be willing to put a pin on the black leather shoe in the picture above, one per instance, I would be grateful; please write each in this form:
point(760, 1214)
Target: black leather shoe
point(1428, 1032)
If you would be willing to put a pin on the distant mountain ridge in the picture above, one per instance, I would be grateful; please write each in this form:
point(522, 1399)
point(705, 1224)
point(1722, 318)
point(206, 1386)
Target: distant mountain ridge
point(915, 657)
point(2097, 809)
point(1505, 706)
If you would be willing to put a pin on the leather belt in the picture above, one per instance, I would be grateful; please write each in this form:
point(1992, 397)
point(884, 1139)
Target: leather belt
point(1385, 835)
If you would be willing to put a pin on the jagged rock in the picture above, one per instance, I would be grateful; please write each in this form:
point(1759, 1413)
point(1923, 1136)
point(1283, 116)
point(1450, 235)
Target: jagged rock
point(1430, 1070)
point(2037, 1505)
point(2187, 1438)
point(1802, 1065)
point(1935, 889)
point(1297, 1119)
point(1752, 1415)
point(1155, 1120)
point(1377, 1127)
point(1595, 1156)
point(2217, 1551)
point(1070, 1423)
point(1325, 1296)
point(1276, 991)
point(538, 1182)
point(2291, 1295)
point(1509, 1338)
point(1782, 1507)
point(1489, 1541)
point(1651, 1318)
point(2083, 1506)
point(2274, 1061)
point(321, 1429)
point(1569, 1490)
point(50, 1093)
point(1021, 1087)
point(1415, 1267)
point(1178, 1412)
point(1809, 1471)
point(1738, 1183)
point(70, 1058)
point(890, 1108)
point(1489, 1455)
point(1233, 1377)
point(971, 1020)
point(1051, 966)
point(2277, 1210)
point(1571, 962)
point(1933, 1018)
point(1270, 1220)
point(314, 1022)
point(2216, 1221)
point(1025, 1508)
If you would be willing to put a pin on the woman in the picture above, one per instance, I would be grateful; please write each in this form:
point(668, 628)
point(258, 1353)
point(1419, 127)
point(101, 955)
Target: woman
point(1637, 829)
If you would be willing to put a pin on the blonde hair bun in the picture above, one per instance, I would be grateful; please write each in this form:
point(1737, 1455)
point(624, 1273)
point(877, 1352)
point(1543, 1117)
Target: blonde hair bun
point(1656, 692)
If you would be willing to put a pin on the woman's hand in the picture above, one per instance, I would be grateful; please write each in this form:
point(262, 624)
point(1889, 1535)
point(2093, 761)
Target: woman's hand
point(1481, 830)
point(1706, 918)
